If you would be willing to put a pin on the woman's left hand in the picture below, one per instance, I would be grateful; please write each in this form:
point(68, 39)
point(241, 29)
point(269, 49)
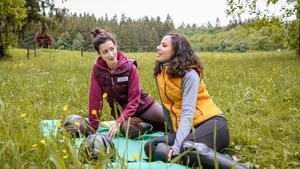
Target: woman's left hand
point(170, 154)
point(113, 130)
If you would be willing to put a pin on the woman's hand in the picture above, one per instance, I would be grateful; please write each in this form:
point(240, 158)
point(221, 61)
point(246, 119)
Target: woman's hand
point(170, 154)
point(113, 130)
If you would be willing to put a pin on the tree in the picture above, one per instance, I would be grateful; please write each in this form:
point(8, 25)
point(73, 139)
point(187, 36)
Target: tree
point(154, 41)
point(64, 41)
point(11, 17)
point(210, 28)
point(218, 24)
point(78, 42)
point(168, 25)
point(290, 8)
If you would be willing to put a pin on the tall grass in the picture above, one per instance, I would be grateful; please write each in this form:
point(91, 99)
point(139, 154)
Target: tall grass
point(258, 92)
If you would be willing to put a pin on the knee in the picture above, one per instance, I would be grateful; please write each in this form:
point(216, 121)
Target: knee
point(148, 148)
point(156, 151)
point(135, 127)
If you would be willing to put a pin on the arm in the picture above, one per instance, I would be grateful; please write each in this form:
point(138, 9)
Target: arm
point(190, 85)
point(95, 102)
point(134, 94)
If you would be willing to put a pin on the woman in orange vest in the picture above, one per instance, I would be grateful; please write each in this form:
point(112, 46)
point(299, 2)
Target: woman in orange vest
point(190, 113)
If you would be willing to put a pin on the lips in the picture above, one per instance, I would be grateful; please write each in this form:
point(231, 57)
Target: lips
point(112, 58)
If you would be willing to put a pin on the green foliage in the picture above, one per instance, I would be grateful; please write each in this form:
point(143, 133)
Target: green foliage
point(64, 42)
point(289, 9)
point(26, 37)
point(240, 7)
point(259, 34)
point(12, 14)
point(78, 42)
point(132, 35)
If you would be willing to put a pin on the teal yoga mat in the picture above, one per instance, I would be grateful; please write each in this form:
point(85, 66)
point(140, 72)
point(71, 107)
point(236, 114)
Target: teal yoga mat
point(130, 149)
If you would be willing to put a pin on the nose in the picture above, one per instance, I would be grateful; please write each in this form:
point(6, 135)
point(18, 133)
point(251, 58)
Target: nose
point(158, 48)
point(110, 53)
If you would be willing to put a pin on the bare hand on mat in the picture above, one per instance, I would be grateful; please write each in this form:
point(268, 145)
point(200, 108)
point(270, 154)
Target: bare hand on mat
point(113, 130)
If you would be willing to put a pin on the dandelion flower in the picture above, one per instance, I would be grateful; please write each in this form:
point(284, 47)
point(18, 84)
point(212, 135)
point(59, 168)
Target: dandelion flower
point(135, 156)
point(104, 95)
point(65, 156)
point(65, 151)
point(94, 112)
point(23, 115)
point(65, 108)
point(43, 141)
point(34, 145)
point(58, 124)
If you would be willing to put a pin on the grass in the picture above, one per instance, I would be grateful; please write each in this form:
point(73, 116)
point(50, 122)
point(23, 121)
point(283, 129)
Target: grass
point(258, 92)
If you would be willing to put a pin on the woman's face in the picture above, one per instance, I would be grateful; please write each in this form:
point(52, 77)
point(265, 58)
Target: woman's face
point(165, 50)
point(108, 52)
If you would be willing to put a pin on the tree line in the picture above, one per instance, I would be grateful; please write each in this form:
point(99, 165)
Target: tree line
point(144, 34)
point(263, 34)
point(21, 23)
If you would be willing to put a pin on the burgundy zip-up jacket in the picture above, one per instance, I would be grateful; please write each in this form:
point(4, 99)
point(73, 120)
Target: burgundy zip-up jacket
point(122, 88)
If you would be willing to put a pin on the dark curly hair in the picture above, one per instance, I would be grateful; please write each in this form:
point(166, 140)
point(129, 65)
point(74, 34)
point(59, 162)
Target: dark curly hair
point(101, 36)
point(183, 60)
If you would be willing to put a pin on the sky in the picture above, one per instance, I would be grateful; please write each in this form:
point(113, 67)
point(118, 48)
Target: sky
point(181, 11)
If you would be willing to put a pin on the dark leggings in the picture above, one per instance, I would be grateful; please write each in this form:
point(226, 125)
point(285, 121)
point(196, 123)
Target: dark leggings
point(153, 115)
point(203, 133)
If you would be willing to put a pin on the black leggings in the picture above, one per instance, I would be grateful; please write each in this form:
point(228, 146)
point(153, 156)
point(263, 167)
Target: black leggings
point(153, 115)
point(203, 133)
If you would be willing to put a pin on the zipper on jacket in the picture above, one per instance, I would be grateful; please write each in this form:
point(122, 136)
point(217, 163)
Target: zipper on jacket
point(165, 90)
point(199, 111)
point(112, 81)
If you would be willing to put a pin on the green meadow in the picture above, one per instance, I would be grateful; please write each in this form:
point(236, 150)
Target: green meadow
point(259, 93)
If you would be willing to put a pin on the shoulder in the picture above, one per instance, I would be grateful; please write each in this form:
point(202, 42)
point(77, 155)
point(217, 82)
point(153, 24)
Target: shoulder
point(191, 75)
point(132, 63)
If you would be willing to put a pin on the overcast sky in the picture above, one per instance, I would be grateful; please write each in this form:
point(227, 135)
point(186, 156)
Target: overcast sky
point(187, 11)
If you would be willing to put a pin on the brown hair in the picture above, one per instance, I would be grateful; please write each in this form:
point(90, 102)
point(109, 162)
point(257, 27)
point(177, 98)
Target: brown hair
point(183, 60)
point(101, 36)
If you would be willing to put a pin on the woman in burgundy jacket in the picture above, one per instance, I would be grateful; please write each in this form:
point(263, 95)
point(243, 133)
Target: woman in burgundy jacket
point(115, 78)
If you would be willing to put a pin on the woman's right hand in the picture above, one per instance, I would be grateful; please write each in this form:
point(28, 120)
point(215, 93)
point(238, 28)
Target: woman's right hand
point(170, 154)
point(113, 130)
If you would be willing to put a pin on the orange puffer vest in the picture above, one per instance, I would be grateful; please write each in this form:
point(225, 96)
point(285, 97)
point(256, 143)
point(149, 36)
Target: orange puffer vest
point(170, 90)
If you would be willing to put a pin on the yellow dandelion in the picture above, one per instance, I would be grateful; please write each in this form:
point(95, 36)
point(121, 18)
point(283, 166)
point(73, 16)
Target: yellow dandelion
point(63, 137)
point(43, 141)
point(34, 145)
point(135, 156)
point(65, 151)
point(65, 156)
point(58, 124)
point(23, 115)
point(65, 108)
point(94, 112)
point(104, 95)
point(77, 123)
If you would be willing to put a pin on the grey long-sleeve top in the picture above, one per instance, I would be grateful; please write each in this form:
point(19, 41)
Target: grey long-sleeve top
point(190, 86)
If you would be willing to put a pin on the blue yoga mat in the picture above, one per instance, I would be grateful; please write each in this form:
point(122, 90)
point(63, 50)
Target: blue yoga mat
point(130, 149)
